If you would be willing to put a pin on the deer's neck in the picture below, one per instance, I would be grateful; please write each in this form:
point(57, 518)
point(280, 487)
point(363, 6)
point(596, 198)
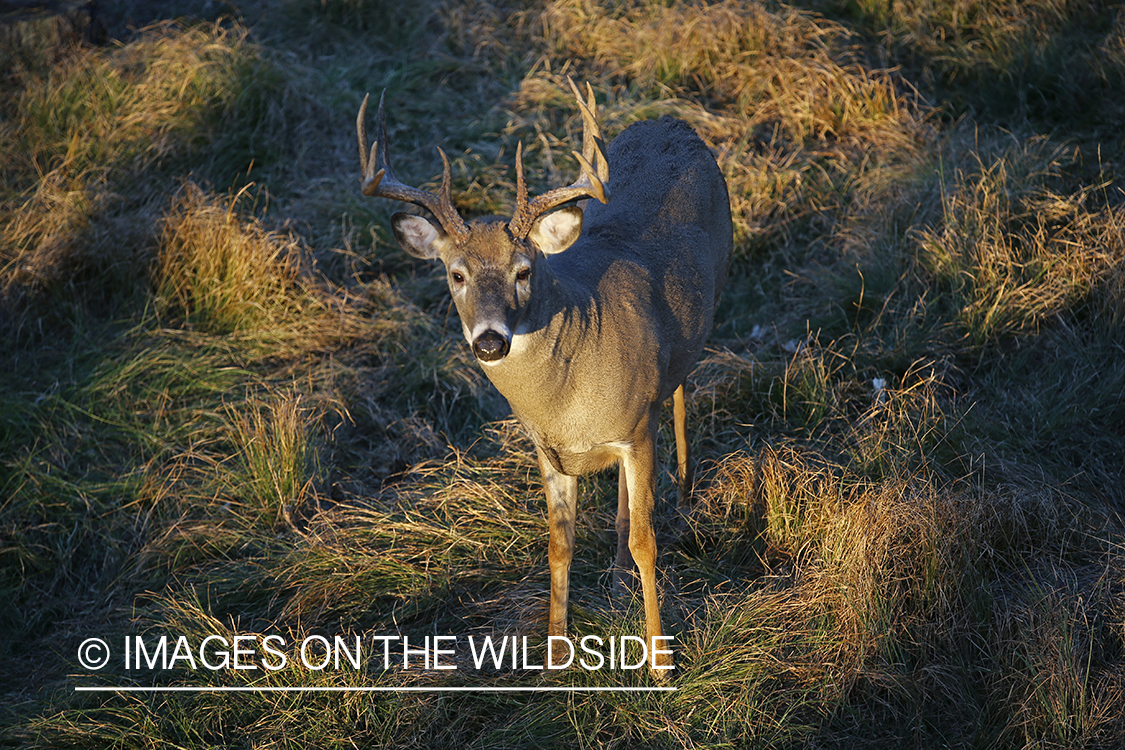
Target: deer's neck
point(576, 358)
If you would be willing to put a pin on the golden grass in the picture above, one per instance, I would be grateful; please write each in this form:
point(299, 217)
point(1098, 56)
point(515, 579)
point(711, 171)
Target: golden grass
point(904, 566)
point(221, 274)
point(1015, 253)
point(778, 93)
point(784, 73)
point(277, 460)
point(45, 235)
point(961, 34)
point(86, 126)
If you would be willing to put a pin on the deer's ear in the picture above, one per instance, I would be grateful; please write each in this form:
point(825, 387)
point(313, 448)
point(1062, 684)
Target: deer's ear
point(556, 231)
point(419, 236)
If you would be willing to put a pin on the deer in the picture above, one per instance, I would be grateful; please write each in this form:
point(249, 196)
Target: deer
point(587, 310)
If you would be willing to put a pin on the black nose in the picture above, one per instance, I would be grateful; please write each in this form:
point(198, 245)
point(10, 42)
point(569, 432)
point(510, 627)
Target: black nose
point(490, 346)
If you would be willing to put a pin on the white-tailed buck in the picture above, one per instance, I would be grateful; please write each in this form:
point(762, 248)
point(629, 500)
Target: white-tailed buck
point(587, 319)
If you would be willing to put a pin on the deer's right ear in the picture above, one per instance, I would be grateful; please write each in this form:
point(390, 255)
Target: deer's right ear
point(418, 236)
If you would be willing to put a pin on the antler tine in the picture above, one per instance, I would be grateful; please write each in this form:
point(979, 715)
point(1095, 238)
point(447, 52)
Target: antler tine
point(521, 185)
point(446, 212)
point(367, 161)
point(592, 143)
point(379, 181)
point(591, 183)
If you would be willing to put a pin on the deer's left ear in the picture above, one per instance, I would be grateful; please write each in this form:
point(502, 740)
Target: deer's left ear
point(556, 231)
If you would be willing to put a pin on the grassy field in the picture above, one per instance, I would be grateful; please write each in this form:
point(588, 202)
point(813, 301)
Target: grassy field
point(230, 405)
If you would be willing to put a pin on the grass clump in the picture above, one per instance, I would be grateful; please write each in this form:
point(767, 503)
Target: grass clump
point(278, 461)
point(220, 274)
point(778, 93)
point(1044, 59)
point(91, 136)
point(784, 69)
point(1012, 253)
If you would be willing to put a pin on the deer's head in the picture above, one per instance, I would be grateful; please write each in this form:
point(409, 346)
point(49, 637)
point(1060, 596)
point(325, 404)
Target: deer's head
point(490, 263)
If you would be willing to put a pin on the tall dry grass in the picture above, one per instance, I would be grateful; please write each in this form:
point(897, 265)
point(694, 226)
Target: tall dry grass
point(1015, 253)
point(90, 134)
point(1045, 59)
point(785, 73)
point(221, 274)
point(780, 94)
point(278, 462)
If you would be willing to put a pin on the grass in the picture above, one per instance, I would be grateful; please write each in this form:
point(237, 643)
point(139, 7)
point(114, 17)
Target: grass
point(1045, 60)
point(232, 407)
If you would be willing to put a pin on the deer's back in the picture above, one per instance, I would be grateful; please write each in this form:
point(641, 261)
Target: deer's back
point(669, 201)
point(661, 246)
point(663, 176)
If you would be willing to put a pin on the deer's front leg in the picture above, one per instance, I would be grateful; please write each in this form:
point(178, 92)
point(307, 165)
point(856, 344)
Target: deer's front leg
point(638, 465)
point(562, 501)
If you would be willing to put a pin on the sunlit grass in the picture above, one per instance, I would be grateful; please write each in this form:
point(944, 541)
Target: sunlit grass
point(92, 139)
point(1014, 254)
point(277, 461)
point(220, 274)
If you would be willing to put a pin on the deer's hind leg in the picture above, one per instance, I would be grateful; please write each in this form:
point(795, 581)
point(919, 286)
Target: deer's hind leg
point(683, 449)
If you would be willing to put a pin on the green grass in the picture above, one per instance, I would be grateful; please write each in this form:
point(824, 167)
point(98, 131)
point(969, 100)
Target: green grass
point(232, 406)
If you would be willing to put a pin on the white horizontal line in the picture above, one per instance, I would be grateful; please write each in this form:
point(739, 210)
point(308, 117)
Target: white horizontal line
point(365, 689)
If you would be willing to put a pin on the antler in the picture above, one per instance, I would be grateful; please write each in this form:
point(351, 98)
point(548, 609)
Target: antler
point(591, 184)
point(380, 182)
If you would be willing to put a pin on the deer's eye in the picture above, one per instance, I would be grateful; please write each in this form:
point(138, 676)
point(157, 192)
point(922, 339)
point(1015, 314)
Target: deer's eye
point(523, 274)
point(458, 277)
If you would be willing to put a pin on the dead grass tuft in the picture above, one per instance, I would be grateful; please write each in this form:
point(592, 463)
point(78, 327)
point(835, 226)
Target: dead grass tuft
point(777, 93)
point(1055, 642)
point(1014, 254)
point(222, 274)
point(88, 136)
point(1053, 58)
point(45, 239)
point(785, 73)
point(278, 460)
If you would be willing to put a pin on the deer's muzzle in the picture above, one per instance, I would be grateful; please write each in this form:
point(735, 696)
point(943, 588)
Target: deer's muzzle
point(490, 346)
